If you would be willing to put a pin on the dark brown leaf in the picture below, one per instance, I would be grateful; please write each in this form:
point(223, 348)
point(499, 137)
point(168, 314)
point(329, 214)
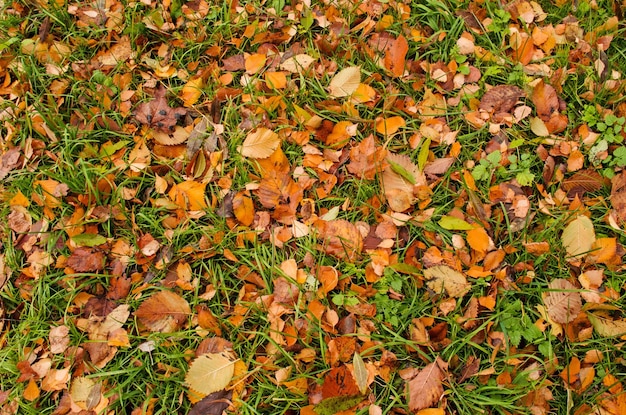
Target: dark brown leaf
point(213, 404)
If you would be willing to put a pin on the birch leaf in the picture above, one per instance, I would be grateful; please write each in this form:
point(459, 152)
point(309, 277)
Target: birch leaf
point(443, 278)
point(210, 373)
point(345, 82)
point(578, 237)
point(260, 144)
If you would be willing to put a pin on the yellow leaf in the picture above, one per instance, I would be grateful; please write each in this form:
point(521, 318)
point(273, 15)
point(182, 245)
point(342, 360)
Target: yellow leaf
point(388, 126)
point(578, 237)
point(192, 91)
point(260, 143)
point(538, 127)
point(345, 82)
point(605, 327)
point(210, 373)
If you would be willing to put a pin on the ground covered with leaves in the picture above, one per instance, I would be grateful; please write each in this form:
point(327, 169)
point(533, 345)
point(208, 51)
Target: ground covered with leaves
point(315, 207)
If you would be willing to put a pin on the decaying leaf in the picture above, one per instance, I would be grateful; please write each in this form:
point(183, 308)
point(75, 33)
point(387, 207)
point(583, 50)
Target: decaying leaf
point(367, 159)
point(442, 278)
point(340, 238)
point(210, 373)
point(606, 327)
point(164, 312)
point(345, 82)
point(213, 404)
point(562, 301)
point(399, 179)
point(578, 237)
point(86, 260)
point(158, 114)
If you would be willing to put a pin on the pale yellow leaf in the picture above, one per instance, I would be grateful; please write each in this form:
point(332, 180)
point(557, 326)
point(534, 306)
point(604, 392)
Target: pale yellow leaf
point(298, 63)
point(443, 278)
point(210, 373)
point(260, 144)
point(578, 237)
point(360, 373)
point(345, 82)
point(538, 127)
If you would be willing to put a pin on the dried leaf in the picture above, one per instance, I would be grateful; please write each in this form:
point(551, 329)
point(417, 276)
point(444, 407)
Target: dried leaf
point(501, 98)
point(192, 91)
point(210, 373)
point(426, 388)
point(389, 126)
point(578, 237)
point(345, 82)
point(399, 179)
point(340, 238)
point(618, 195)
point(367, 159)
point(443, 278)
point(86, 260)
point(563, 302)
point(583, 181)
point(478, 240)
point(164, 312)
point(260, 143)
point(213, 404)
point(189, 195)
point(59, 339)
point(298, 63)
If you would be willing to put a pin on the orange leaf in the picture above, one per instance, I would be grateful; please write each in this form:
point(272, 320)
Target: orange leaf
point(254, 63)
point(367, 159)
point(189, 195)
point(391, 125)
point(31, 392)
point(328, 277)
point(260, 143)
point(364, 93)
point(426, 388)
point(571, 372)
point(276, 80)
point(478, 239)
point(243, 208)
point(395, 56)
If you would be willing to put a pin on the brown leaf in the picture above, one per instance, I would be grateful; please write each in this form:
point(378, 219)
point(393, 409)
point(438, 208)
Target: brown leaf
point(85, 259)
point(501, 98)
point(583, 181)
point(563, 303)
point(164, 312)
point(545, 99)
point(367, 159)
point(618, 195)
point(443, 278)
point(213, 404)
point(158, 114)
point(341, 238)
point(426, 388)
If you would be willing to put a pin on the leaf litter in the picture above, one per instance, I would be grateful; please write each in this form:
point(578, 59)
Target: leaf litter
point(345, 194)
